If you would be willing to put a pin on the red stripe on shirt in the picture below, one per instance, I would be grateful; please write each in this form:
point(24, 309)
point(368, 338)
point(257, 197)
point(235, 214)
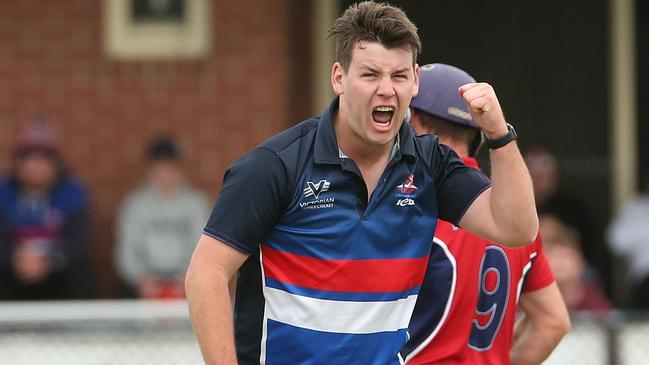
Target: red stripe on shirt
point(370, 275)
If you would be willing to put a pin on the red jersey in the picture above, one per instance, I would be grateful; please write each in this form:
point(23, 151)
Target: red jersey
point(466, 308)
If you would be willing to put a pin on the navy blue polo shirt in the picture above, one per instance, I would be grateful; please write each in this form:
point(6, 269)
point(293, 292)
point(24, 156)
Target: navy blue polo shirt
point(333, 276)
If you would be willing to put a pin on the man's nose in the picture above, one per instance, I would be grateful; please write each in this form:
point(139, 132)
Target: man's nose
point(386, 87)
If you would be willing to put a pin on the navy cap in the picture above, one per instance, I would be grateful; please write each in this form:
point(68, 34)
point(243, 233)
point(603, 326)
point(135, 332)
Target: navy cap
point(438, 84)
point(163, 148)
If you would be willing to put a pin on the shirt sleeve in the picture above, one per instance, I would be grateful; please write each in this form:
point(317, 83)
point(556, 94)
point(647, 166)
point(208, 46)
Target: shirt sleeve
point(251, 200)
point(458, 185)
point(540, 274)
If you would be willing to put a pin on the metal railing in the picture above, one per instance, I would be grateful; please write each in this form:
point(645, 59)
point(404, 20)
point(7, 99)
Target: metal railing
point(159, 332)
point(97, 333)
point(618, 338)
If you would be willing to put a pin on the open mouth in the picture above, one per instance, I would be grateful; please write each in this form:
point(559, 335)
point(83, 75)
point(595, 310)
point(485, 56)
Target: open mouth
point(382, 114)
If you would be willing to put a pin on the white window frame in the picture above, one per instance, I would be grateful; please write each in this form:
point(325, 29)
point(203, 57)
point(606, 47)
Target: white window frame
point(125, 39)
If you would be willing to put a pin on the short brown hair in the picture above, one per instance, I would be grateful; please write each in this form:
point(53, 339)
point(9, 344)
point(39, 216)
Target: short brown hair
point(461, 133)
point(376, 22)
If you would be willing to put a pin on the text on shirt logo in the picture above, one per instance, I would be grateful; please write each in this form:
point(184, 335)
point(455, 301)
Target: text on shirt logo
point(405, 202)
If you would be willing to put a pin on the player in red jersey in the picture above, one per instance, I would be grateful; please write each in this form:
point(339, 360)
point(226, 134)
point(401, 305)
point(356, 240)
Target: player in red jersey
point(466, 309)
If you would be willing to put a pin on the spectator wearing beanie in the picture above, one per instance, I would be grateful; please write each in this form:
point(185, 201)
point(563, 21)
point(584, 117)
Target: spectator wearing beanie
point(44, 222)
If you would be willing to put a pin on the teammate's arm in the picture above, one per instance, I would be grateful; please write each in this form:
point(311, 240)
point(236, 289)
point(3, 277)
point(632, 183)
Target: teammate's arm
point(544, 322)
point(505, 213)
point(213, 265)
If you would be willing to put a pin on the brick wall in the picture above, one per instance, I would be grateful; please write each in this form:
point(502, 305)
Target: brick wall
point(52, 64)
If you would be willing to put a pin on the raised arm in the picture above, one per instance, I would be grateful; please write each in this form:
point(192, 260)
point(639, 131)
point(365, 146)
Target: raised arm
point(544, 322)
point(506, 212)
point(213, 265)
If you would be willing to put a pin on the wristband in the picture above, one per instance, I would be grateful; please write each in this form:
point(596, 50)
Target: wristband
point(501, 141)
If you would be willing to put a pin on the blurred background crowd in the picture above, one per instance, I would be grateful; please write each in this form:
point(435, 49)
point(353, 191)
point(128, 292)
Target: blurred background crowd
point(112, 153)
point(46, 225)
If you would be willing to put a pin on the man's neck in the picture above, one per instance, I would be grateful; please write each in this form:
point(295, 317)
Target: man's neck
point(371, 160)
point(165, 191)
point(356, 148)
point(36, 191)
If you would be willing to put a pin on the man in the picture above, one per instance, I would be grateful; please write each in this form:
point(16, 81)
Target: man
point(157, 226)
point(44, 223)
point(332, 218)
point(466, 308)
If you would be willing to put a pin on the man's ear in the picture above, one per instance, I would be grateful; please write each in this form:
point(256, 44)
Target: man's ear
point(415, 122)
point(337, 72)
point(415, 89)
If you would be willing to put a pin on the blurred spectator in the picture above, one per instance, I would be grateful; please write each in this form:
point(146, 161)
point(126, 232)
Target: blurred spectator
point(628, 236)
point(44, 223)
point(579, 285)
point(158, 227)
point(551, 198)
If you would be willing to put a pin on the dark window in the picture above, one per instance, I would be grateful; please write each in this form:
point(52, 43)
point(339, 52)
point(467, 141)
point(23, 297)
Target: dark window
point(158, 10)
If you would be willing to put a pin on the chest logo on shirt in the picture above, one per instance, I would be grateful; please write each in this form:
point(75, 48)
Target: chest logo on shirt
point(314, 190)
point(408, 187)
point(407, 190)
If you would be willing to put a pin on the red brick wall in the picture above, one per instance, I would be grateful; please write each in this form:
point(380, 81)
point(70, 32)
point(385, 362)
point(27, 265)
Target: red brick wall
point(52, 64)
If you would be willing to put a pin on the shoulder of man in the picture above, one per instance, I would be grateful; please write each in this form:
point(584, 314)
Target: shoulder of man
point(7, 185)
point(425, 144)
point(7, 191)
point(431, 151)
point(139, 198)
point(68, 190)
point(288, 137)
point(71, 192)
point(291, 147)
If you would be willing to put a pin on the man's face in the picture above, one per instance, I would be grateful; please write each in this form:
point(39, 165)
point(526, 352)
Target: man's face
point(165, 174)
point(544, 171)
point(375, 91)
point(37, 170)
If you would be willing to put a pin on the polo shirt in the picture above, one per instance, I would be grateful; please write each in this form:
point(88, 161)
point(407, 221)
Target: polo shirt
point(333, 275)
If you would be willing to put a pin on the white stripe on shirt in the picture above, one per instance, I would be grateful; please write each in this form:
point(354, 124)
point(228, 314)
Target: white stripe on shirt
point(338, 316)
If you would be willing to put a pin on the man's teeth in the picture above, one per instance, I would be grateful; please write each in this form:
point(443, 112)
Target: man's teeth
point(384, 109)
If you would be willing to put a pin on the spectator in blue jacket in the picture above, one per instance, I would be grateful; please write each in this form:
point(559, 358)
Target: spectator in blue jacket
point(44, 223)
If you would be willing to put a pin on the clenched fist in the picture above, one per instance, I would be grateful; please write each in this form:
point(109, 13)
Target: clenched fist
point(485, 109)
